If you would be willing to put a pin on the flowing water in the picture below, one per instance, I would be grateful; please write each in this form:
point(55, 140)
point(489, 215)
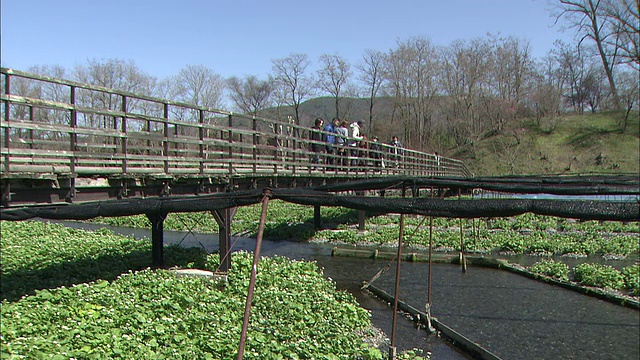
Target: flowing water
point(511, 316)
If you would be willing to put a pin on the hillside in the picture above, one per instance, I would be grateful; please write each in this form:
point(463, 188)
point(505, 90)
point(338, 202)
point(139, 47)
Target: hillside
point(589, 143)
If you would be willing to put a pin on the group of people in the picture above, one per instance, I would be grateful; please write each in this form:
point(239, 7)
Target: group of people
point(340, 143)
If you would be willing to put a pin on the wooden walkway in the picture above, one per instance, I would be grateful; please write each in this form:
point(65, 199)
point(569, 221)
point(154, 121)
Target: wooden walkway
point(66, 141)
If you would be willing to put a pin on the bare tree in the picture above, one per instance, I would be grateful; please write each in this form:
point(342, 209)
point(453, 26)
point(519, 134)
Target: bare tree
point(546, 95)
point(512, 65)
point(294, 82)
point(592, 88)
point(199, 85)
point(624, 19)
point(410, 73)
point(333, 76)
point(250, 94)
point(629, 94)
point(590, 19)
point(465, 78)
point(511, 72)
point(571, 68)
point(116, 74)
point(371, 75)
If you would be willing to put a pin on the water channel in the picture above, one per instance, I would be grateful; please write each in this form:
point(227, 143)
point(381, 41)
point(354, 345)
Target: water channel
point(511, 316)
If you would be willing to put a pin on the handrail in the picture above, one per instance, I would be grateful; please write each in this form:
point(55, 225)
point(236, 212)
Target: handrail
point(76, 134)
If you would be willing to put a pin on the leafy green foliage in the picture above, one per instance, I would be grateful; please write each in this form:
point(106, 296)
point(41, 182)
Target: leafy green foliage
point(631, 275)
point(37, 255)
point(153, 314)
point(599, 275)
point(414, 354)
point(549, 267)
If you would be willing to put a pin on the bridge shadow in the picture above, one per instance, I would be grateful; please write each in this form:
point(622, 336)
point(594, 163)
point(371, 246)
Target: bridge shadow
point(306, 230)
point(23, 282)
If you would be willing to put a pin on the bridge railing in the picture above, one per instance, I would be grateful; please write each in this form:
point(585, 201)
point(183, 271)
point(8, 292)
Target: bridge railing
point(55, 126)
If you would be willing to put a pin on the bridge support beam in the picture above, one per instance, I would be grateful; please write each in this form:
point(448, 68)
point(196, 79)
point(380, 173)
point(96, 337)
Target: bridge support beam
point(157, 237)
point(317, 218)
point(361, 214)
point(224, 218)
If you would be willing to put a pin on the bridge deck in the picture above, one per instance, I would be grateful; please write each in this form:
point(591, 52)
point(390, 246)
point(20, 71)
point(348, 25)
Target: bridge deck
point(60, 136)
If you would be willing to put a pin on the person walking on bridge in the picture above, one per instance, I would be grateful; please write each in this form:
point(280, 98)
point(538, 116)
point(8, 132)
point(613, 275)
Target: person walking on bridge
point(396, 151)
point(356, 137)
point(330, 139)
point(342, 138)
point(315, 136)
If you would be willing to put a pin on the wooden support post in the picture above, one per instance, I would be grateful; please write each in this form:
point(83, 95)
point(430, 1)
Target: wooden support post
point(317, 218)
point(430, 259)
point(463, 260)
point(157, 237)
point(224, 219)
point(361, 214)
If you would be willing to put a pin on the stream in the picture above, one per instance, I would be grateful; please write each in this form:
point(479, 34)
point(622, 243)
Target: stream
point(512, 316)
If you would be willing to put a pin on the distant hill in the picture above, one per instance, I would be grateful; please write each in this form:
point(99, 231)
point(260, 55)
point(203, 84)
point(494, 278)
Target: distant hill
point(589, 143)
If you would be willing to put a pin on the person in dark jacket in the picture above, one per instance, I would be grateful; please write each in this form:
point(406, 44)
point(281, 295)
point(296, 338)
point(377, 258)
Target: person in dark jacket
point(315, 136)
point(375, 151)
point(396, 151)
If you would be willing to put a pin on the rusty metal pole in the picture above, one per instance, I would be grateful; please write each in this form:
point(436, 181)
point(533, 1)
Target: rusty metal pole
point(430, 256)
point(463, 261)
point(252, 280)
point(397, 292)
point(392, 349)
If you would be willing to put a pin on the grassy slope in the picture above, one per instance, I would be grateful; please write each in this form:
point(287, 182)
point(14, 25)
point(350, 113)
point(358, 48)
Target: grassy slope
point(589, 143)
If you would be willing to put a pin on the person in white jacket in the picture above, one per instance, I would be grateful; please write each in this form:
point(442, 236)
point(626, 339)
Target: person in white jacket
point(355, 135)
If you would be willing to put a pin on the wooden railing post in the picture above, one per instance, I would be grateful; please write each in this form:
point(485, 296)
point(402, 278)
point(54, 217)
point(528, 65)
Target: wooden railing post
point(73, 144)
point(201, 140)
point(165, 145)
point(230, 144)
point(7, 129)
point(254, 126)
point(124, 134)
point(31, 132)
point(294, 156)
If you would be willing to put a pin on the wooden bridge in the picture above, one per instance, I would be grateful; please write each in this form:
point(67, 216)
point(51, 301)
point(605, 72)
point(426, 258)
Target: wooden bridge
point(76, 151)
point(64, 141)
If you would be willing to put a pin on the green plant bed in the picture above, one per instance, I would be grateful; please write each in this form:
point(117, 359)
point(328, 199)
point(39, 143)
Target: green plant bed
point(296, 312)
point(551, 268)
point(626, 280)
point(37, 255)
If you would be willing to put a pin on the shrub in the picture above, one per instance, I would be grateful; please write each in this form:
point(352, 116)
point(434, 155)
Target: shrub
point(599, 275)
point(631, 275)
point(557, 270)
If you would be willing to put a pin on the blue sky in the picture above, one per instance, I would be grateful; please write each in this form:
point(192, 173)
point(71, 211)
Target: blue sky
point(242, 37)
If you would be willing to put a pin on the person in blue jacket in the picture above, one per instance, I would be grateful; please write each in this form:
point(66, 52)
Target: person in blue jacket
point(330, 139)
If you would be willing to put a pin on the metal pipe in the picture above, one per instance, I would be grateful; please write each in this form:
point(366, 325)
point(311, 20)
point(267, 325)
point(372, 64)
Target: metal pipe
point(252, 280)
point(397, 291)
point(430, 257)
